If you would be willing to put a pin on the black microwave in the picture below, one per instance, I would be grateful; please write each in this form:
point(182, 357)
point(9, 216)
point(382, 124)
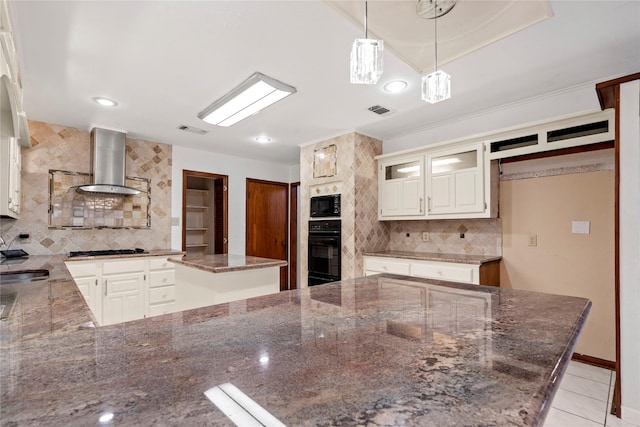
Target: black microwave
point(323, 206)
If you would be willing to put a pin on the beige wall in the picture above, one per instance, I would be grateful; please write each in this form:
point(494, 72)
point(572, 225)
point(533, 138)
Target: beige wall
point(562, 262)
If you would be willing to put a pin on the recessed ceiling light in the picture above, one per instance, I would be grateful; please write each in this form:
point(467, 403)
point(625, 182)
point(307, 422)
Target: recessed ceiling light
point(395, 86)
point(105, 101)
point(263, 139)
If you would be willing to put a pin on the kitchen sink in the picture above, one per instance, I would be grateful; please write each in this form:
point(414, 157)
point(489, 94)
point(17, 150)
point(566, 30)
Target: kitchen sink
point(22, 276)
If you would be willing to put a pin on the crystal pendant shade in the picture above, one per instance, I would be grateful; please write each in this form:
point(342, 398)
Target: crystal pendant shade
point(366, 61)
point(436, 87)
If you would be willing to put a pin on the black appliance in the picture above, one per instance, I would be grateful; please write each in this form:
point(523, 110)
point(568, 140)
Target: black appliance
point(108, 252)
point(324, 251)
point(325, 206)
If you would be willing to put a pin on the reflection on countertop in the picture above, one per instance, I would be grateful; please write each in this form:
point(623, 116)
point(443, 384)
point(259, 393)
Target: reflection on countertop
point(437, 256)
point(380, 350)
point(222, 263)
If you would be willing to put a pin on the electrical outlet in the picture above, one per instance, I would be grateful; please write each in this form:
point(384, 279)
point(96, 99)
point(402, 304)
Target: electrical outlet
point(533, 240)
point(425, 236)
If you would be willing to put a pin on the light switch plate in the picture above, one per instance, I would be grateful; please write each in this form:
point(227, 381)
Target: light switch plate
point(175, 221)
point(533, 240)
point(580, 227)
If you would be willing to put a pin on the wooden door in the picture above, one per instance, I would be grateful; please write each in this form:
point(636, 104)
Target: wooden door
point(293, 236)
point(266, 223)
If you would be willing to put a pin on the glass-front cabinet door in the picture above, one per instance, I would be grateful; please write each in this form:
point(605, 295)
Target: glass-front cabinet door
point(455, 181)
point(401, 187)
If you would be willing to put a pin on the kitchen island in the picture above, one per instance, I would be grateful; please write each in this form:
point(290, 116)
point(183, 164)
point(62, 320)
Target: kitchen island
point(203, 280)
point(383, 350)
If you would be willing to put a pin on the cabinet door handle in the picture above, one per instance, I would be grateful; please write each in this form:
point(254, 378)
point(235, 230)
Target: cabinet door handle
point(429, 203)
point(96, 282)
point(421, 202)
point(105, 287)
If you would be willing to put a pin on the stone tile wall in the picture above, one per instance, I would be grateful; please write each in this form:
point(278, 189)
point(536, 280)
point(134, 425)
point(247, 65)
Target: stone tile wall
point(481, 236)
point(67, 148)
point(357, 175)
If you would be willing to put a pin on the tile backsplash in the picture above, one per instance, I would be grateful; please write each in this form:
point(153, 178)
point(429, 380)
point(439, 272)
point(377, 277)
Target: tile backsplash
point(481, 236)
point(66, 148)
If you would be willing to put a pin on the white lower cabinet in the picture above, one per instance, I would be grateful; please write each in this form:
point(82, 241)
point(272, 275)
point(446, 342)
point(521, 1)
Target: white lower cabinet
point(123, 297)
point(477, 274)
point(162, 286)
point(125, 289)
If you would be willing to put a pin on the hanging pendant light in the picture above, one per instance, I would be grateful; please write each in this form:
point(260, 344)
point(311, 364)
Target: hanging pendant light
point(436, 86)
point(366, 58)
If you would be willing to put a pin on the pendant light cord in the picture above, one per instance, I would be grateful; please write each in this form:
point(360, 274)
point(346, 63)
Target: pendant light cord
point(435, 31)
point(365, 20)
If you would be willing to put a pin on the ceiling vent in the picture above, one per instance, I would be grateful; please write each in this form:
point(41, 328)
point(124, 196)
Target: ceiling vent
point(380, 110)
point(193, 129)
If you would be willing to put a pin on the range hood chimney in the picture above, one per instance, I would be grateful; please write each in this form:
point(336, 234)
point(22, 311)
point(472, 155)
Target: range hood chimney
point(107, 164)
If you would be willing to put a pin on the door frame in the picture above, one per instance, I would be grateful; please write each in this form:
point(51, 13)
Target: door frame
point(294, 194)
point(222, 228)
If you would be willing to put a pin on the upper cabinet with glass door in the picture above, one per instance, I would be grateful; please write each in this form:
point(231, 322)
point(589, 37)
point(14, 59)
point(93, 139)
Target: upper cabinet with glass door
point(458, 183)
point(401, 187)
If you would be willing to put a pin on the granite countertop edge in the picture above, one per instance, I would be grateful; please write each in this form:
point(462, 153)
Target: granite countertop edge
point(437, 256)
point(160, 252)
point(208, 263)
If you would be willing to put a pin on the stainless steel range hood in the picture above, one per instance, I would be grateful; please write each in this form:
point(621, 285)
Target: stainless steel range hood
point(108, 163)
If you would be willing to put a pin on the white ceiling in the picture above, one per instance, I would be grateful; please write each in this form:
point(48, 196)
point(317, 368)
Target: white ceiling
point(166, 61)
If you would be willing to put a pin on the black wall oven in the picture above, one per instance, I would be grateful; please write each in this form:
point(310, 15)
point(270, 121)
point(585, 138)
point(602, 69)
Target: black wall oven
point(324, 251)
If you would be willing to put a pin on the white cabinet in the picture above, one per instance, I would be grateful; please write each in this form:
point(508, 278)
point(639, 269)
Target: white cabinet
point(86, 274)
point(162, 286)
point(123, 299)
point(10, 187)
point(124, 289)
point(477, 274)
point(123, 286)
point(401, 187)
point(455, 181)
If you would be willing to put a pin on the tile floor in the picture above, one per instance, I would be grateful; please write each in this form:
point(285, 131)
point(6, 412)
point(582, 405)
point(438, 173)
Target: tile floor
point(584, 399)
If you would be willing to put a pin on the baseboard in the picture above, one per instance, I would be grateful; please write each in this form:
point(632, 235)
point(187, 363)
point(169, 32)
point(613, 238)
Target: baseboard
point(595, 361)
point(631, 415)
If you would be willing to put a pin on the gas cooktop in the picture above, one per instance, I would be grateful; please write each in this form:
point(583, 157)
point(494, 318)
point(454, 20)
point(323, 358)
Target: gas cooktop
point(108, 252)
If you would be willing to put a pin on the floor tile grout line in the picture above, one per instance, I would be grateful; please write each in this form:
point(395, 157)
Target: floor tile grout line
point(590, 379)
point(586, 395)
point(579, 416)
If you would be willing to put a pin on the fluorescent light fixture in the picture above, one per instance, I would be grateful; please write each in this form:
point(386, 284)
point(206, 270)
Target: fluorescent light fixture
point(408, 169)
point(395, 86)
point(444, 162)
point(105, 102)
point(254, 94)
point(240, 408)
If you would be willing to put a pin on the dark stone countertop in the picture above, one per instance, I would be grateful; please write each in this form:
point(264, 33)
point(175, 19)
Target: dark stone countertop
point(437, 256)
point(383, 350)
point(223, 263)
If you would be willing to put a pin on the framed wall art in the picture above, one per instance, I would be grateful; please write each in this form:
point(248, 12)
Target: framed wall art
point(324, 161)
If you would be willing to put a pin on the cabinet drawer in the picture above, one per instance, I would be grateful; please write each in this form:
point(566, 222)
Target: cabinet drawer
point(161, 295)
point(158, 309)
point(162, 278)
point(159, 263)
point(122, 266)
point(386, 266)
point(454, 272)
